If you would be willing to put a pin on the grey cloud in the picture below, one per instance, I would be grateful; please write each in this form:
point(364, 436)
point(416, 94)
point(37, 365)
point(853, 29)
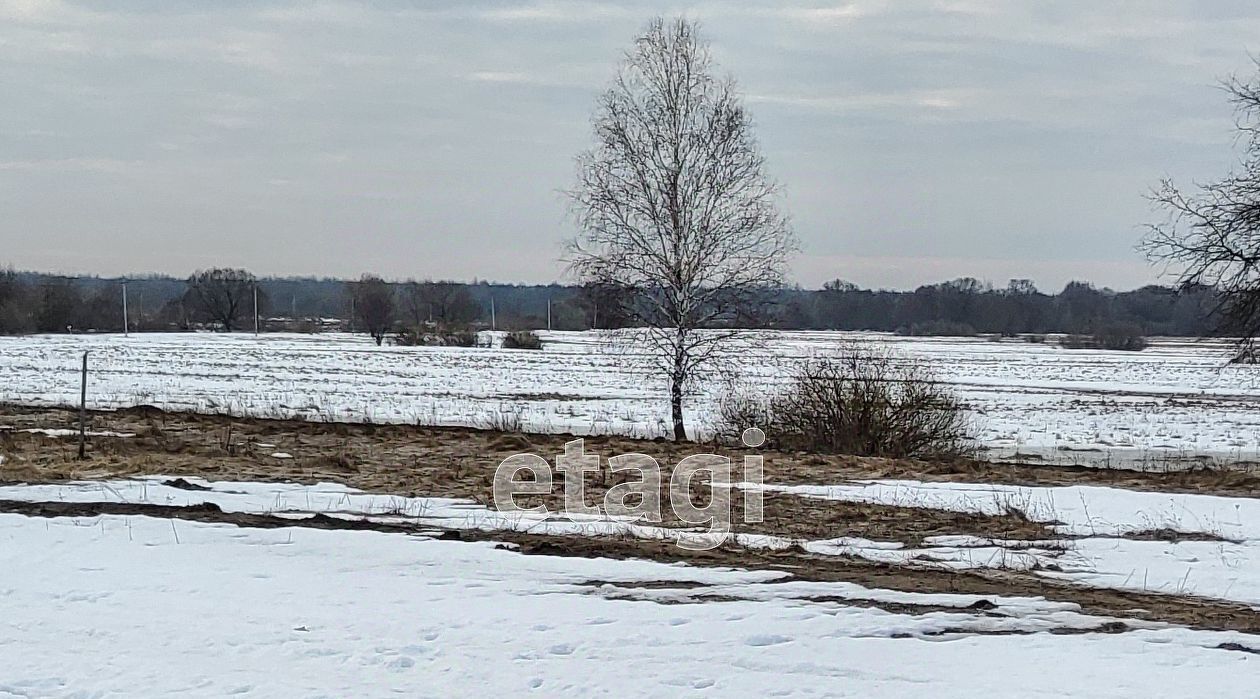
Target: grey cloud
point(431, 138)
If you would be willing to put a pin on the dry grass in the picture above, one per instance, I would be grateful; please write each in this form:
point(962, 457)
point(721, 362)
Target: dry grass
point(413, 460)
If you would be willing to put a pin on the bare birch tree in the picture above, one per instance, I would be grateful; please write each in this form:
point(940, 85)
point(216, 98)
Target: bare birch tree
point(1212, 235)
point(674, 205)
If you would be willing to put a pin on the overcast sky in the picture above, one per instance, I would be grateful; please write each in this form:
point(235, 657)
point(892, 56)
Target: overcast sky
point(917, 141)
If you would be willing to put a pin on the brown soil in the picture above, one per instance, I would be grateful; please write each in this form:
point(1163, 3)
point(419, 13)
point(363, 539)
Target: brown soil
point(1173, 536)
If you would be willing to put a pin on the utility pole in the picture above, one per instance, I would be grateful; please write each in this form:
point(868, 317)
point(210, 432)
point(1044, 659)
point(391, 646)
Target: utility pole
point(255, 309)
point(493, 324)
point(126, 330)
point(548, 314)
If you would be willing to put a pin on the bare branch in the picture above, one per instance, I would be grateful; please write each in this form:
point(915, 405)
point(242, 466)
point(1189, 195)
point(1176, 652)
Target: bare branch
point(1212, 236)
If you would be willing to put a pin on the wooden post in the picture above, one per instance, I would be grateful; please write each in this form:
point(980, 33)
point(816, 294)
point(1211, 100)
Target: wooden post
point(255, 309)
point(125, 323)
point(83, 411)
point(549, 314)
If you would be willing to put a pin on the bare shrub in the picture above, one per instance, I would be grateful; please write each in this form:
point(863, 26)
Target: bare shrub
point(1077, 342)
point(306, 326)
point(1118, 336)
point(861, 401)
point(522, 339)
point(937, 328)
point(409, 337)
point(1121, 336)
point(462, 338)
point(419, 337)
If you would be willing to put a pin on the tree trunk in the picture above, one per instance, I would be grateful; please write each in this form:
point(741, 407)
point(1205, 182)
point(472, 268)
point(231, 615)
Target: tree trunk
point(675, 404)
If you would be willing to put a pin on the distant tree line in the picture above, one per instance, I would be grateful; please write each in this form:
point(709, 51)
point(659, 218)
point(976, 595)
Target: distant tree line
point(223, 299)
point(967, 306)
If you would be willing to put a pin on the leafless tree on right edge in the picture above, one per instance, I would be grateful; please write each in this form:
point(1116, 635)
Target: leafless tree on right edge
point(1212, 235)
point(674, 204)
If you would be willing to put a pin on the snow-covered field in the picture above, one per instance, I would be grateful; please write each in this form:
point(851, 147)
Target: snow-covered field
point(1175, 402)
point(1092, 521)
point(1219, 558)
point(139, 606)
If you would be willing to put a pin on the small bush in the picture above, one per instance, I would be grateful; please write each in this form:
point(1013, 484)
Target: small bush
point(860, 402)
point(407, 337)
point(522, 339)
point(1078, 342)
point(1125, 337)
point(462, 338)
point(1121, 336)
point(306, 326)
point(415, 337)
point(938, 328)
